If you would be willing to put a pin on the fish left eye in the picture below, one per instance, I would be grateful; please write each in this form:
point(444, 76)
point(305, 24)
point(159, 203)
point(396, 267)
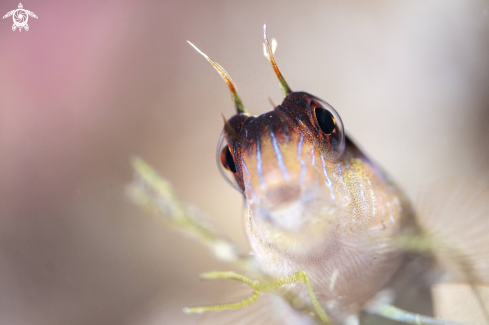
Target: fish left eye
point(328, 128)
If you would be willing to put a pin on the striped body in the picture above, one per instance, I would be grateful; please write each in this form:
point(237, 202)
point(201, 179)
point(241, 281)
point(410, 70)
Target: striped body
point(306, 212)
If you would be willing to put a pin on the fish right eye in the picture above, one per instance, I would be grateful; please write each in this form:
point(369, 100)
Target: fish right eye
point(227, 159)
point(226, 164)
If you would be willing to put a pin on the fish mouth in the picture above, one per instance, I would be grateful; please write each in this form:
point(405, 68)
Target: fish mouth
point(289, 208)
point(289, 218)
point(294, 229)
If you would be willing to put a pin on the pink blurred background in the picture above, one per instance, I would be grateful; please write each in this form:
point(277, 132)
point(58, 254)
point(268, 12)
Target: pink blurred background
point(93, 83)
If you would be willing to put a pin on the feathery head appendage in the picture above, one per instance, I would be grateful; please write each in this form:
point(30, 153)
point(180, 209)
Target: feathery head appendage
point(273, 44)
point(232, 87)
point(283, 84)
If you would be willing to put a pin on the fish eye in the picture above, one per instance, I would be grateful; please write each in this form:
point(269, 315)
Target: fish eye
point(227, 159)
point(325, 120)
point(332, 134)
point(225, 163)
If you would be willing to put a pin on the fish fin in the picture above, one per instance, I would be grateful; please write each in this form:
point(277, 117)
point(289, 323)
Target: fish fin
point(456, 212)
point(457, 302)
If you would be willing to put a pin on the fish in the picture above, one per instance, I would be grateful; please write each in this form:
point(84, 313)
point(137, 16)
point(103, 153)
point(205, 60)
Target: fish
point(334, 239)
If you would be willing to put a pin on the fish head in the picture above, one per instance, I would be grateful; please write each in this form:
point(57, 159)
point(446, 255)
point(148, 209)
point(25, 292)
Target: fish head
point(304, 181)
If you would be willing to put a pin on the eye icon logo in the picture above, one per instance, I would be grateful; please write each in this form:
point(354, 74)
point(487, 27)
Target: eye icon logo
point(20, 17)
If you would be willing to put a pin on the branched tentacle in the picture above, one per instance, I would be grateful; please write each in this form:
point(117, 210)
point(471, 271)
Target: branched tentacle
point(260, 287)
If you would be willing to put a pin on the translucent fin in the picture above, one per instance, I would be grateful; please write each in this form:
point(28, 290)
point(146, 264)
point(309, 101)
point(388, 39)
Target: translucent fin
point(457, 302)
point(456, 211)
point(454, 216)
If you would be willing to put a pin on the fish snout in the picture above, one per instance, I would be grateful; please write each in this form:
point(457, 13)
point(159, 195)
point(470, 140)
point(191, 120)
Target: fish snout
point(281, 196)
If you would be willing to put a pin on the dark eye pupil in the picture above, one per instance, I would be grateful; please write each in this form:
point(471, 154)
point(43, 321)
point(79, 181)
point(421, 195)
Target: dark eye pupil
point(227, 160)
point(325, 120)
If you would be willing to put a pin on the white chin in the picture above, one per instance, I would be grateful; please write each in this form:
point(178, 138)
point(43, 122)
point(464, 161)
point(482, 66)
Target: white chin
point(290, 218)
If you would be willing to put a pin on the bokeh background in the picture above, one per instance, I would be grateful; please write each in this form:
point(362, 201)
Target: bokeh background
point(93, 83)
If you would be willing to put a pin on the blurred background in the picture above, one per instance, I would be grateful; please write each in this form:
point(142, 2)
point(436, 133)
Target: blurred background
point(93, 83)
